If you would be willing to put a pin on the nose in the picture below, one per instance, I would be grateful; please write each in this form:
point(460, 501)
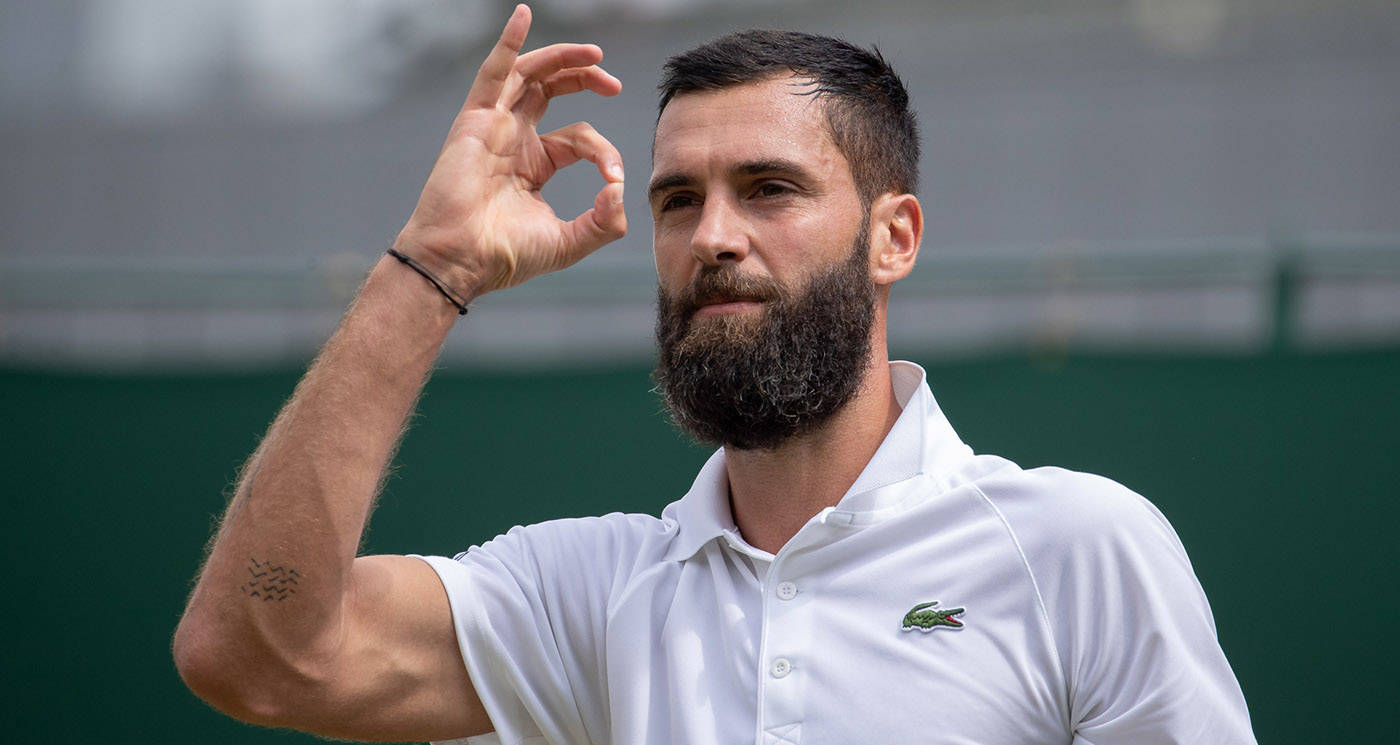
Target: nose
point(720, 235)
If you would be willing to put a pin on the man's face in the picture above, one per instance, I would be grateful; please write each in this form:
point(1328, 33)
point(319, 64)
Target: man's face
point(749, 177)
point(765, 304)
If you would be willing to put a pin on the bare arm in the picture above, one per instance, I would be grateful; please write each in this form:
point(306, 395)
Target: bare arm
point(286, 626)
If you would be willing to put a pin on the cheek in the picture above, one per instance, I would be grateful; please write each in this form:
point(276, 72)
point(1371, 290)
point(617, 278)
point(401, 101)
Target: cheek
point(673, 264)
point(799, 243)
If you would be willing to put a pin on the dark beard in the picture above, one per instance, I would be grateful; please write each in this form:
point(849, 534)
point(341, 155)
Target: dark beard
point(754, 383)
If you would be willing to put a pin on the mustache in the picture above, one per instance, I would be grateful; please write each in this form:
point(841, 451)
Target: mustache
point(724, 283)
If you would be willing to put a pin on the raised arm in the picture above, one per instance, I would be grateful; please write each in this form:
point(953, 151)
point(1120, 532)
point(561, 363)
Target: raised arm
point(286, 626)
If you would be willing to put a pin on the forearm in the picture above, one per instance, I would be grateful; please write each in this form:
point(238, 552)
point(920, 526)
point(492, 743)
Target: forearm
point(276, 577)
point(285, 626)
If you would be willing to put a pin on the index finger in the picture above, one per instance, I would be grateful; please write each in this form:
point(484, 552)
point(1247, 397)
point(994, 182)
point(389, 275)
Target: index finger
point(491, 78)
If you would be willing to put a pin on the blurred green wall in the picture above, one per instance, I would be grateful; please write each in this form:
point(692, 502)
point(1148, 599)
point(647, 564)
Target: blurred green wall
point(1279, 472)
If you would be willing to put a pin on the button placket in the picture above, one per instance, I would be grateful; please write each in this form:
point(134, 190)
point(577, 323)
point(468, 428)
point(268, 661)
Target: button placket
point(780, 667)
point(787, 636)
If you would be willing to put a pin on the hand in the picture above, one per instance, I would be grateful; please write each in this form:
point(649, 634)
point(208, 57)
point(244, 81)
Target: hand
point(480, 223)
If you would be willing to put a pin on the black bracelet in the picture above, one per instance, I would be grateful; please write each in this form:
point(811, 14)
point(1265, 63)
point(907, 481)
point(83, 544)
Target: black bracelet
point(446, 291)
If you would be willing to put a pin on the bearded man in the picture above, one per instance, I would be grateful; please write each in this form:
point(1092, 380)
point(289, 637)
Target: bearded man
point(844, 569)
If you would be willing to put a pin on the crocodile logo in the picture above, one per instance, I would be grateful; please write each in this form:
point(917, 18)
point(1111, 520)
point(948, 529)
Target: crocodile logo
point(926, 617)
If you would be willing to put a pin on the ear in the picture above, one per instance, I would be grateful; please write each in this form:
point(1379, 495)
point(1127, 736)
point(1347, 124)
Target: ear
point(896, 230)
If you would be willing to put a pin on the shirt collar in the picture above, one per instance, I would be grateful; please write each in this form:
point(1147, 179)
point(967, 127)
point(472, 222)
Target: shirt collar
point(921, 443)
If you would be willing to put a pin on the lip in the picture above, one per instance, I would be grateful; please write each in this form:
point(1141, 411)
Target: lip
point(728, 307)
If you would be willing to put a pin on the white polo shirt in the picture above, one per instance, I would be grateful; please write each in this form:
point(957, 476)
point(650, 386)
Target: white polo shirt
point(1066, 612)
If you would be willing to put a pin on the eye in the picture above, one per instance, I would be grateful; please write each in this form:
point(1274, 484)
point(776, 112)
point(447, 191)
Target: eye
point(678, 201)
point(772, 189)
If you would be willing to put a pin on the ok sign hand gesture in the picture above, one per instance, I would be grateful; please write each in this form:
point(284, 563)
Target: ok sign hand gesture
point(481, 223)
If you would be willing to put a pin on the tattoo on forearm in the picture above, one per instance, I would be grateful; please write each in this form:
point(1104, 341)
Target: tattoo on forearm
point(271, 581)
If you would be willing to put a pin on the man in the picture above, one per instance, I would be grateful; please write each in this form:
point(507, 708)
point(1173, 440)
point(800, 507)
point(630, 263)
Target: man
point(844, 569)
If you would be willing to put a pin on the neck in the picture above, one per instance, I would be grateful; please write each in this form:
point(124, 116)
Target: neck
point(773, 493)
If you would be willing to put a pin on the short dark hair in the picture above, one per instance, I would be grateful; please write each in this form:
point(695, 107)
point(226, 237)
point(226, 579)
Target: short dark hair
point(867, 107)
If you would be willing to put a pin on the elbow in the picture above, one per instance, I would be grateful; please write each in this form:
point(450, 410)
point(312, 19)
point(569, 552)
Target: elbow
point(214, 670)
point(237, 679)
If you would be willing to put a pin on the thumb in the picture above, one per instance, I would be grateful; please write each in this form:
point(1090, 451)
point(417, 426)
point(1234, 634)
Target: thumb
point(603, 224)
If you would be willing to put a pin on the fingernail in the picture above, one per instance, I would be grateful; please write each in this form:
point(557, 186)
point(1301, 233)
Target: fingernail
point(617, 194)
point(615, 171)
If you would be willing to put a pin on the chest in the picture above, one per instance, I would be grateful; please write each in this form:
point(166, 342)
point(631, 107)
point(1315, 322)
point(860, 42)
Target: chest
point(878, 637)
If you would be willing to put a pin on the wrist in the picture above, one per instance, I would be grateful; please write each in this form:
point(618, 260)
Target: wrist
point(401, 286)
point(457, 301)
point(455, 284)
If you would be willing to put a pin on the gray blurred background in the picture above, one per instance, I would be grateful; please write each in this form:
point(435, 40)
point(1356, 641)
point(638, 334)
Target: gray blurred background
point(1163, 244)
point(203, 183)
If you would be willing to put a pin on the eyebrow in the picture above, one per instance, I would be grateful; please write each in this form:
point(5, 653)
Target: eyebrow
point(748, 168)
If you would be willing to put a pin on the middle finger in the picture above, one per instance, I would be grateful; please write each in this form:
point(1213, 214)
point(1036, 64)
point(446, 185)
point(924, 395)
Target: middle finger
point(541, 63)
point(534, 100)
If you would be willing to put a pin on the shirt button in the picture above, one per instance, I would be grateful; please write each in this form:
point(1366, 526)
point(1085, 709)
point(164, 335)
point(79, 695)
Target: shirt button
point(787, 590)
point(781, 667)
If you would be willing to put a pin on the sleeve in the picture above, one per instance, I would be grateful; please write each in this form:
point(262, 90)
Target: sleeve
point(1134, 629)
point(529, 608)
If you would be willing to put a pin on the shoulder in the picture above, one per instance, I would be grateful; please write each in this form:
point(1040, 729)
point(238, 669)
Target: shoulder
point(614, 527)
point(1131, 624)
point(529, 613)
point(1088, 541)
point(608, 542)
point(1056, 507)
point(545, 572)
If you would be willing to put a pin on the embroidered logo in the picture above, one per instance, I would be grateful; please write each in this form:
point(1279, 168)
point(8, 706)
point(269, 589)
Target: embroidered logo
point(925, 617)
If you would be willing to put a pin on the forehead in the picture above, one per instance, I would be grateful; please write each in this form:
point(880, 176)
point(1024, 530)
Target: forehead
point(777, 118)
